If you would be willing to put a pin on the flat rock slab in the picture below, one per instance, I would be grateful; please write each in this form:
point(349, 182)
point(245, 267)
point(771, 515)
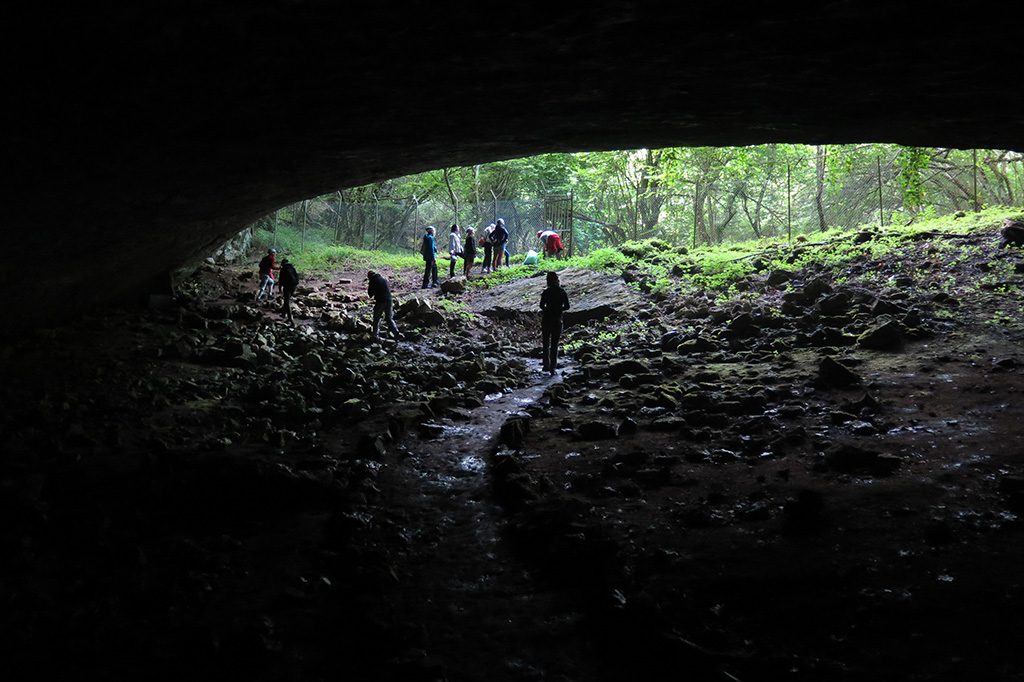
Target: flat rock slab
point(592, 296)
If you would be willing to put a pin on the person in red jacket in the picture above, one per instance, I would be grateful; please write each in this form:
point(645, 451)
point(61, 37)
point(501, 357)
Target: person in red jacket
point(267, 280)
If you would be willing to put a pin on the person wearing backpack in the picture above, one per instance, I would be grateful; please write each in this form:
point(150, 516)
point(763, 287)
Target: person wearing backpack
point(499, 238)
point(454, 249)
point(428, 249)
point(289, 279)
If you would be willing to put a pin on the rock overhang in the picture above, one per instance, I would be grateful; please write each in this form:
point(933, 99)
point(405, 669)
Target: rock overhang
point(170, 125)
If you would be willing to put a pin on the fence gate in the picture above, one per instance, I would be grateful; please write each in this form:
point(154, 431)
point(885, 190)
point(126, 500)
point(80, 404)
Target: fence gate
point(558, 217)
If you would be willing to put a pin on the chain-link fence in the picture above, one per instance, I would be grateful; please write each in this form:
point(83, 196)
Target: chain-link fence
point(395, 224)
point(806, 195)
point(779, 198)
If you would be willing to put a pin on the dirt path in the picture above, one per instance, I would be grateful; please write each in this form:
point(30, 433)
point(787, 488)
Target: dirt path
point(481, 614)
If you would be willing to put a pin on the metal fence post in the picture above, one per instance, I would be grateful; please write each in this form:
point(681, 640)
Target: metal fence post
point(881, 211)
point(696, 194)
point(789, 201)
point(636, 214)
point(572, 221)
point(974, 168)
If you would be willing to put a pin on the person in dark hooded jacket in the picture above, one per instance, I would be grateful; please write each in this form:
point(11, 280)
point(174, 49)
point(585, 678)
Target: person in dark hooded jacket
point(499, 238)
point(553, 302)
point(383, 306)
point(289, 280)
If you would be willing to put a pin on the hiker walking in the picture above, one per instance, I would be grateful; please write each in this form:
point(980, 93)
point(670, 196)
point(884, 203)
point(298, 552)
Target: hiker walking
point(383, 306)
point(428, 248)
point(553, 302)
point(267, 266)
point(454, 249)
point(289, 280)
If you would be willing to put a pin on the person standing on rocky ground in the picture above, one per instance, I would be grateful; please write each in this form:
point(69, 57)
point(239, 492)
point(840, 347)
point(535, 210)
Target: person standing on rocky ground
point(383, 306)
point(454, 249)
point(289, 280)
point(498, 238)
point(553, 302)
point(485, 241)
point(469, 252)
point(267, 267)
point(428, 248)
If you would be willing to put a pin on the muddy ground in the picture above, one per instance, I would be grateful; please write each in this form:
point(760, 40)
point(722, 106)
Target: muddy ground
point(819, 480)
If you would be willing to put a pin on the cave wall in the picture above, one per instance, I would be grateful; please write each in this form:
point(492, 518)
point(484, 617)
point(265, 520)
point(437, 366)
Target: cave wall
point(144, 135)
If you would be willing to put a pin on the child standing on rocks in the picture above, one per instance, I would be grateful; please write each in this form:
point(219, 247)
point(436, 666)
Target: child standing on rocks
point(553, 302)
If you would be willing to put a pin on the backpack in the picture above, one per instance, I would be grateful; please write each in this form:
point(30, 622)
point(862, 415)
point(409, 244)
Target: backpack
point(289, 277)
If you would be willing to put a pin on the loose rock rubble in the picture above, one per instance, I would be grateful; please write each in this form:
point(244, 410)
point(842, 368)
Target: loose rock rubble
point(800, 479)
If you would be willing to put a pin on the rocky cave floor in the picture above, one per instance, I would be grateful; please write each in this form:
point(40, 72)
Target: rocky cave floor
point(818, 480)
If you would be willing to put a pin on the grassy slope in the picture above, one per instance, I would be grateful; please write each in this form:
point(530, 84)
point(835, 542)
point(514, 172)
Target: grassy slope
point(664, 268)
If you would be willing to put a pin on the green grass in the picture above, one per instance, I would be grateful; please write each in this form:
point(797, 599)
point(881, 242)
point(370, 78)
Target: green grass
point(666, 268)
point(323, 259)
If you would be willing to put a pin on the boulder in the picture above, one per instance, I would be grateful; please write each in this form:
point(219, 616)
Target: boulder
point(853, 459)
point(778, 277)
point(456, 285)
point(697, 345)
point(1012, 233)
point(597, 430)
point(513, 431)
point(815, 289)
point(833, 373)
point(592, 296)
point(886, 335)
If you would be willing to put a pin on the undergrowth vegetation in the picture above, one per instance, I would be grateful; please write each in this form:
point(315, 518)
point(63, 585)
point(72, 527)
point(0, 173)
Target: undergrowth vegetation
point(661, 268)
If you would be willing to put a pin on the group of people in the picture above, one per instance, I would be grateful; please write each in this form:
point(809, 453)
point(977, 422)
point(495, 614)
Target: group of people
point(553, 301)
point(493, 241)
point(270, 274)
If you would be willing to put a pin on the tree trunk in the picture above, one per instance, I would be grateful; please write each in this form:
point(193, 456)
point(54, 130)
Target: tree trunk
point(819, 185)
point(451, 193)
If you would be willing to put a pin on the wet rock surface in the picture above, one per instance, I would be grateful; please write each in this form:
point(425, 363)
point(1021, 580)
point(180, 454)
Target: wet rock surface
point(200, 491)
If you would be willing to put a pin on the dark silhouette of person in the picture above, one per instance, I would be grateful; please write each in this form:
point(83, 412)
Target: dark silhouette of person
point(553, 302)
point(499, 238)
point(267, 266)
point(469, 252)
point(383, 306)
point(289, 280)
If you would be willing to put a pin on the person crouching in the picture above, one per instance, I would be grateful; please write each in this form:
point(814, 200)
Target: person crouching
point(383, 306)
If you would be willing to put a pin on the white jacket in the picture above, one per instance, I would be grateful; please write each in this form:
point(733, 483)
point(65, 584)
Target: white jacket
point(454, 243)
